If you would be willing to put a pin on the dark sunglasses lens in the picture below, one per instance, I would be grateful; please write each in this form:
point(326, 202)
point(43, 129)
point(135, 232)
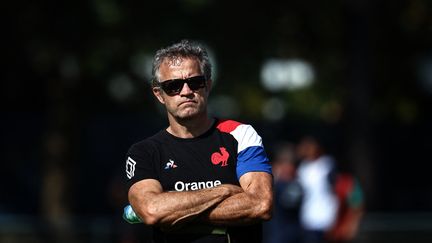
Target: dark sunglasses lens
point(173, 86)
point(196, 83)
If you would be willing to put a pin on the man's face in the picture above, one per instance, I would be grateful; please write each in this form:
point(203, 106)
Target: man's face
point(188, 104)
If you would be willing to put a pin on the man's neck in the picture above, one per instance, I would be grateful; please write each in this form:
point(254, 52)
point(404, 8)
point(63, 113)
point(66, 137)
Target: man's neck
point(189, 128)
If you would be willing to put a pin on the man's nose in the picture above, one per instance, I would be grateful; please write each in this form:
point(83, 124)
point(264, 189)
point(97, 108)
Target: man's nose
point(186, 90)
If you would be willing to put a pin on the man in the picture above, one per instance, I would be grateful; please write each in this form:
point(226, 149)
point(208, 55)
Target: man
point(316, 174)
point(201, 179)
point(288, 194)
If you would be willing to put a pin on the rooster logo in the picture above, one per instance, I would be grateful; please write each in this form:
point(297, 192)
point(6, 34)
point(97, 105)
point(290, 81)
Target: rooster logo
point(220, 158)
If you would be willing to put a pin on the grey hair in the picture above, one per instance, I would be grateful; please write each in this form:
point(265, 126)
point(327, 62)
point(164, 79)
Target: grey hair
point(182, 49)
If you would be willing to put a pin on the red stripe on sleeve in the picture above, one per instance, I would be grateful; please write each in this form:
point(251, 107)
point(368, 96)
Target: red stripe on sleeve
point(227, 125)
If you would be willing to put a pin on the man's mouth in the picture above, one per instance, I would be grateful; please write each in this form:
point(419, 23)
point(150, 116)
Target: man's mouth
point(188, 102)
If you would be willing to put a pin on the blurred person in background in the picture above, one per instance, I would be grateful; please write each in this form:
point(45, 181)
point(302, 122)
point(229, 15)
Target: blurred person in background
point(201, 179)
point(316, 173)
point(284, 227)
point(351, 207)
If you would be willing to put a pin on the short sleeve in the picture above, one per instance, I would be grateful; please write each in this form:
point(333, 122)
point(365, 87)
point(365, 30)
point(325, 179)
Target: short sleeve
point(141, 162)
point(251, 155)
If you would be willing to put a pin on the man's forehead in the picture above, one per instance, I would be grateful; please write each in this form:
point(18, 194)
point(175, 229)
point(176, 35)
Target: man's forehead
point(179, 68)
point(178, 60)
point(173, 61)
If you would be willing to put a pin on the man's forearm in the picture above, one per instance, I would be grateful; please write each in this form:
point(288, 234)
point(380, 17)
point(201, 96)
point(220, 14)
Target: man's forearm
point(252, 205)
point(239, 209)
point(174, 208)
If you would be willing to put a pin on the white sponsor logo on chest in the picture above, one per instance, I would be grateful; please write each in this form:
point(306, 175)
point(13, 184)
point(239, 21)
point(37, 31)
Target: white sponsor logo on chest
point(192, 186)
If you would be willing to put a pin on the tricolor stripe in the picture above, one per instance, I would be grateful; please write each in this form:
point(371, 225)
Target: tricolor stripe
point(251, 155)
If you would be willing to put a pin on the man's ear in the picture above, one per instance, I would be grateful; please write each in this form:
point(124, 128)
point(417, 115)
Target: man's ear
point(157, 93)
point(209, 85)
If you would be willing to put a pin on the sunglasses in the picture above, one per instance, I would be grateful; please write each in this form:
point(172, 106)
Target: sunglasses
point(174, 86)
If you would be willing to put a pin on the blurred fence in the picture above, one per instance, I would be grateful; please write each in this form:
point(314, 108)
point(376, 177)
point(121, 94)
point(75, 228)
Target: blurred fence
point(375, 228)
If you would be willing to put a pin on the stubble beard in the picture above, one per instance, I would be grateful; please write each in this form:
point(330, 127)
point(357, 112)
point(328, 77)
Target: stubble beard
point(188, 114)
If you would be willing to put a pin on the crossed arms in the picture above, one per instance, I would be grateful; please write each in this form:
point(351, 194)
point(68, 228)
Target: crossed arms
point(222, 205)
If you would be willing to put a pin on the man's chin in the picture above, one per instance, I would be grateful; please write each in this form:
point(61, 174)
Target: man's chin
point(188, 115)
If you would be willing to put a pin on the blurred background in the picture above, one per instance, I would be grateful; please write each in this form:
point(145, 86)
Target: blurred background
point(75, 96)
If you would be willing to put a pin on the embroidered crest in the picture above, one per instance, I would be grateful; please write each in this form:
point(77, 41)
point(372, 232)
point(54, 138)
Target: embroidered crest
point(220, 157)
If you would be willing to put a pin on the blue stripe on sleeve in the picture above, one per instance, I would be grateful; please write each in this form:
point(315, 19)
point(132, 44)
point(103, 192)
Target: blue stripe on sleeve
point(251, 159)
